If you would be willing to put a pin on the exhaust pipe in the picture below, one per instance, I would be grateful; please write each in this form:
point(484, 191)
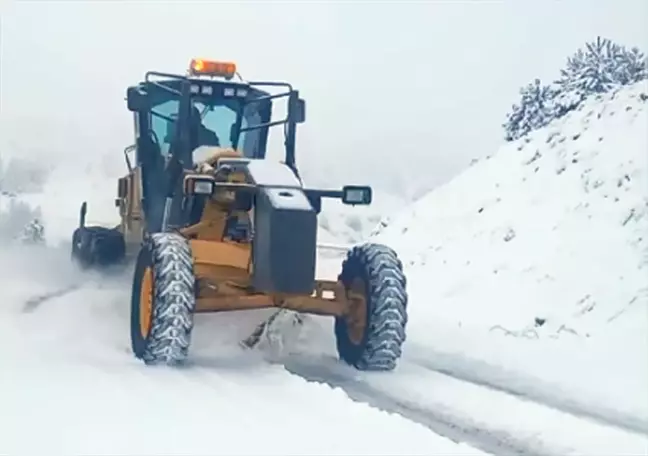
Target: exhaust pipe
point(82, 214)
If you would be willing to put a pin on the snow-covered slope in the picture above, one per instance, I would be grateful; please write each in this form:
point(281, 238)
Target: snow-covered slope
point(536, 259)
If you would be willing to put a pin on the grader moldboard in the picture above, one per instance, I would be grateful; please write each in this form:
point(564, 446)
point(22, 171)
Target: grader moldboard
point(213, 225)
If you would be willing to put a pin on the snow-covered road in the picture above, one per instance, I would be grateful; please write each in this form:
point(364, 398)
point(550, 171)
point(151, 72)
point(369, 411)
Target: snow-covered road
point(69, 379)
point(493, 419)
point(68, 373)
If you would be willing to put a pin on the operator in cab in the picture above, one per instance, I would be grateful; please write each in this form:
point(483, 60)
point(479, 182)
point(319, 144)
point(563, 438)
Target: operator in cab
point(199, 134)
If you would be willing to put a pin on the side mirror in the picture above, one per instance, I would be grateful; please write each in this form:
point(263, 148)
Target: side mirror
point(298, 110)
point(136, 99)
point(356, 195)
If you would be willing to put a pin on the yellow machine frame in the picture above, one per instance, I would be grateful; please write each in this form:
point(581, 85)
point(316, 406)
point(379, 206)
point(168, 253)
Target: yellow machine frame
point(223, 267)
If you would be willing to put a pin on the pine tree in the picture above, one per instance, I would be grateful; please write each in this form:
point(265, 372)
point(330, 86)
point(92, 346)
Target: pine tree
point(592, 70)
point(599, 67)
point(602, 66)
point(632, 66)
point(536, 109)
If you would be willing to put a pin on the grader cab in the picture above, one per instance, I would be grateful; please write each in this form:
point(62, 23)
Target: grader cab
point(213, 226)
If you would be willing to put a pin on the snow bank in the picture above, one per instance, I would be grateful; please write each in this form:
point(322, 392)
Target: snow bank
point(536, 258)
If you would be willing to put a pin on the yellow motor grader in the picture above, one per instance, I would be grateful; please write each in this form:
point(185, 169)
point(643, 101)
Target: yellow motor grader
point(212, 225)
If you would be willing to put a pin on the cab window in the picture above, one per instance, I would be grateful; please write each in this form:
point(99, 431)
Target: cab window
point(162, 125)
point(218, 119)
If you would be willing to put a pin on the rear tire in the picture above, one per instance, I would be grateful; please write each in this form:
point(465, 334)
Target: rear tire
point(97, 246)
point(375, 344)
point(162, 334)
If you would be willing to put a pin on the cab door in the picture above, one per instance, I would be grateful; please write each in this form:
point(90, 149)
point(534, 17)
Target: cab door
point(129, 201)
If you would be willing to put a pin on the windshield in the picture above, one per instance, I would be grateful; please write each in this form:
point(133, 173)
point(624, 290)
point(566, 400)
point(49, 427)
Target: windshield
point(220, 120)
point(216, 120)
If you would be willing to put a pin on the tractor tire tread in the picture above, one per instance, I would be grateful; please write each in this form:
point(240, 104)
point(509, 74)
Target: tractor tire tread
point(387, 302)
point(174, 299)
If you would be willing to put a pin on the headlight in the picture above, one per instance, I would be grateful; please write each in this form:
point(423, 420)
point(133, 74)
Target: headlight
point(199, 185)
point(203, 187)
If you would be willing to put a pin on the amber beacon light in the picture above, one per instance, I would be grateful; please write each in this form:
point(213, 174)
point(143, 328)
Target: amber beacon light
point(202, 67)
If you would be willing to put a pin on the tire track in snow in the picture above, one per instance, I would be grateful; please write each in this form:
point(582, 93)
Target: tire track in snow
point(493, 421)
point(475, 372)
point(34, 302)
point(445, 424)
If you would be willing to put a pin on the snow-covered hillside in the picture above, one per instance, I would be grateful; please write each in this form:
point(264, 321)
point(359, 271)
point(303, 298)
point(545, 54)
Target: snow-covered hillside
point(536, 258)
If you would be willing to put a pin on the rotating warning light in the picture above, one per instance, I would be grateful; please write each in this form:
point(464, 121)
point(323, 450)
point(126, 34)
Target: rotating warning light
point(202, 67)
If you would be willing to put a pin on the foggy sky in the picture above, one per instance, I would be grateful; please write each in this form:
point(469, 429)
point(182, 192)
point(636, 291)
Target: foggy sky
point(400, 95)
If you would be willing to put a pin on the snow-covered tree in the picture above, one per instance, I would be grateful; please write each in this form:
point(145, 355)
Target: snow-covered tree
point(599, 67)
point(602, 66)
point(632, 66)
point(535, 110)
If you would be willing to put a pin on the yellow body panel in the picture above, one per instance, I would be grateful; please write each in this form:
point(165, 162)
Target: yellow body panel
point(225, 260)
point(223, 267)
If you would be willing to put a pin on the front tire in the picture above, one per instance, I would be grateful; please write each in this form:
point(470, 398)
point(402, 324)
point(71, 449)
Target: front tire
point(371, 335)
point(163, 300)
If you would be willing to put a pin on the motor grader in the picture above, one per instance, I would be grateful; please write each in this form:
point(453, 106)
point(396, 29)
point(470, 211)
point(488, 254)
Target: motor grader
point(212, 225)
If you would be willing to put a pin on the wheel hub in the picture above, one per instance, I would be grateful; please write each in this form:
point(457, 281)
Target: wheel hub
point(146, 303)
point(356, 318)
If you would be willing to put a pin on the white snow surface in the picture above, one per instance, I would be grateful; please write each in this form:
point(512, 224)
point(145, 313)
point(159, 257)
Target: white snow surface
point(553, 227)
point(69, 376)
point(288, 199)
point(266, 172)
point(557, 235)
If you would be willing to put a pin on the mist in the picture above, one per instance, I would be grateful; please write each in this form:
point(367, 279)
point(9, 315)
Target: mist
point(400, 95)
